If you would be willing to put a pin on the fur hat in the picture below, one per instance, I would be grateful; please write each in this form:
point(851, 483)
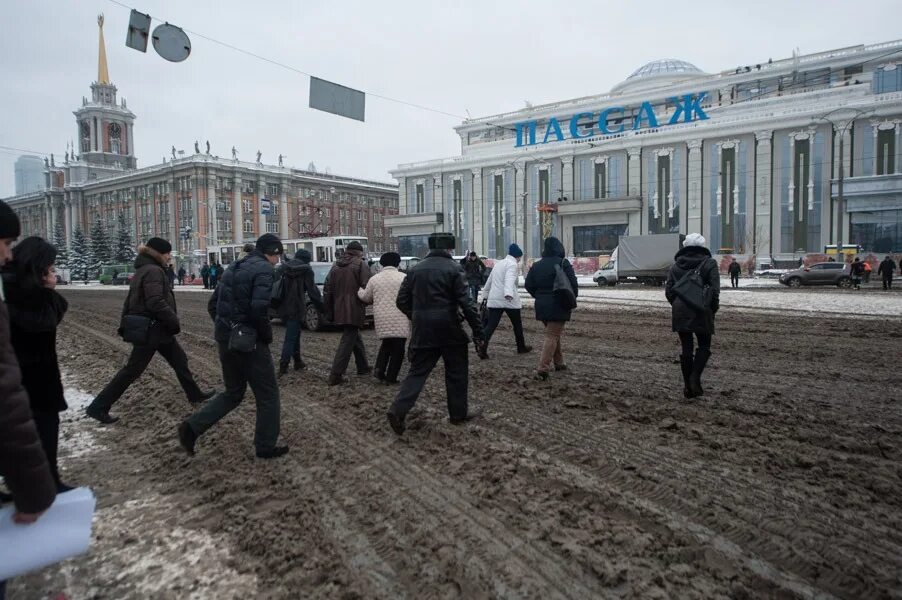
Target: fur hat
point(355, 245)
point(269, 244)
point(441, 241)
point(159, 244)
point(695, 239)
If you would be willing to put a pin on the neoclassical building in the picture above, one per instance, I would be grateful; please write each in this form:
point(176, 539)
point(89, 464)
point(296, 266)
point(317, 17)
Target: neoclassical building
point(195, 199)
point(751, 157)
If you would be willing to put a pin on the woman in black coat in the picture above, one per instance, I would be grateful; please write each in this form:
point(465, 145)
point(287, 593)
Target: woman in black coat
point(35, 311)
point(687, 321)
point(540, 285)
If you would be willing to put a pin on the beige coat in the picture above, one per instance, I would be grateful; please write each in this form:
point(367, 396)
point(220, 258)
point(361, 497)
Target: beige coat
point(382, 292)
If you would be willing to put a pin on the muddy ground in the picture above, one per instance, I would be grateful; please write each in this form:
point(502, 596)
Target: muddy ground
point(785, 480)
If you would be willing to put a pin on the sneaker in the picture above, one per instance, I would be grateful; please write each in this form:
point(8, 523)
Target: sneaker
point(274, 452)
point(472, 413)
point(396, 422)
point(101, 415)
point(187, 437)
point(524, 350)
point(561, 367)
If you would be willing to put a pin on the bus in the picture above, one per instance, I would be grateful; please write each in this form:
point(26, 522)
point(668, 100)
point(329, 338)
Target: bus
point(323, 249)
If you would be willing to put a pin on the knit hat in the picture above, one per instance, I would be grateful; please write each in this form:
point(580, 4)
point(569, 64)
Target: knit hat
point(390, 259)
point(159, 244)
point(695, 239)
point(355, 245)
point(515, 251)
point(303, 255)
point(269, 244)
point(9, 222)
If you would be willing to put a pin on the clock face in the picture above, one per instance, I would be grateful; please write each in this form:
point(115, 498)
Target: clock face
point(115, 130)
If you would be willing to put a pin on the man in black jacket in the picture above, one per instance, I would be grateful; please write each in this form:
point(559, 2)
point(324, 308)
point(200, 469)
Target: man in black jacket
point(150, 295)
point(885, 270)
point(735, 269)
point(243, 298)
point(433, 295)
point(297, 285)
point(474, 272)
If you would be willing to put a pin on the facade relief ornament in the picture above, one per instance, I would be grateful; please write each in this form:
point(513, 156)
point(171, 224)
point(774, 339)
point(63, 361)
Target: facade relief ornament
point(694, 145)
point(566, 160)
point(601, 159)
point(764, 137)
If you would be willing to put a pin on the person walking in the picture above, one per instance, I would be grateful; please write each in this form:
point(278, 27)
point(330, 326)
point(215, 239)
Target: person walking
point(215, 270)
point(205, 275)
point(867, 271)
point(35, 311)
point(686, 321)
point(502, 297)
point(240, 311)
point(344, 308)
point(735, 269)
point(23, 464)
point(150, 295)
point(885, 270)
point(856, 270)
point(171, 276)
point(181, 274)
point(433, 295)
point(474, 271)
point(540, 285)
point(297, 286)
point(392, 326)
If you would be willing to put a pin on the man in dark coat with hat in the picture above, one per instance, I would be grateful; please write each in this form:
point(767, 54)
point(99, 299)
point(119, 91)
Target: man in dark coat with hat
point(297, 285)
point(241, 304)
point(433, 296)
point(344, 308)
point(150, 294)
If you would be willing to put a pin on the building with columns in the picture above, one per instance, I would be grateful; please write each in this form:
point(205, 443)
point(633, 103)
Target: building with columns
point(751, 157)
point(193, 200)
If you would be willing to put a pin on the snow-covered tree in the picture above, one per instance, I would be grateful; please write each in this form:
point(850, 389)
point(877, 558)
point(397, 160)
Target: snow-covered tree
point(80, 258)
point(59, 240)
point(125, 247)
point(101, 248)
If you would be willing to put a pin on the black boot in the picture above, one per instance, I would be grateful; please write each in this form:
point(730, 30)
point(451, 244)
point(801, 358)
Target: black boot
point(686, 367)
point(299, 363)
point(698, 366)
point(283, 368)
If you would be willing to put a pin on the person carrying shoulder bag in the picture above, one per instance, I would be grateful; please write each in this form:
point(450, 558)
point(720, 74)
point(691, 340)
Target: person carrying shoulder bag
point(149, 322)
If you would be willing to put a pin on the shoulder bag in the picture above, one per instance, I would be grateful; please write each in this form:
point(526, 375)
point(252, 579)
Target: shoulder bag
point(693, 291)
point(135, 329)
point(561, 288)
point(242, 337)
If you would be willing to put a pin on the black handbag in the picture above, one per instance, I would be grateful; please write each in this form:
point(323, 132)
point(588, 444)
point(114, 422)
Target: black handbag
point(135, 329)
point(242, 338)
point(692, 290)
point(562, 290)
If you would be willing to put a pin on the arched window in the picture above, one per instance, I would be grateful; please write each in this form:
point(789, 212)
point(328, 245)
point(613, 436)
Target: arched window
point(115, 137)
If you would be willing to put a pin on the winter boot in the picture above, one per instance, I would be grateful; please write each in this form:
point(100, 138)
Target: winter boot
point(698, 366)
point(283, 368)
point(299, 364)
point(686, 367)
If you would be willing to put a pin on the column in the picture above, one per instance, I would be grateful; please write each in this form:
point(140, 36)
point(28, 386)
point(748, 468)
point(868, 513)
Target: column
point(283, 209)
point(174, 210)
point(67, 215)
point(402, 196)
point(694, 193)
point(438, 195)
point(519, 237)
point(761, 236)
point(210, 233)
point(567, 177)
point(237, 215)
point(259, 218)
point(477, 233)
point(633, 185)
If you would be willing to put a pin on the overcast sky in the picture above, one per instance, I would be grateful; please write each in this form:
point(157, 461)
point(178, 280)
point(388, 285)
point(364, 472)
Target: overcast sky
point(483, 56)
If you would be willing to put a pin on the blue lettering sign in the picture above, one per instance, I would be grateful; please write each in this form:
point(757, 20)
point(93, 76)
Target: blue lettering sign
point(555, 127)
point(688, 108)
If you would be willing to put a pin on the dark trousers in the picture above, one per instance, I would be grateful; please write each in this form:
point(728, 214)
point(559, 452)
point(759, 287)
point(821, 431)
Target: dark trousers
point(390, 358)
point(351, 343)
point(291, 347)
point(238, 370)
point(137, 362)
point(48, 426)
point(473, 289)
point(734, 280)
point(206, 279)
point(887, 282)
point(494, 317)
point(422, 361)
point(686, 341)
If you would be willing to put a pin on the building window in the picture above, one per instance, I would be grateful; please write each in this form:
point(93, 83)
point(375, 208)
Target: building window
point(886, 151)
point(421, 198)
point(601, 179)
point(248, 226)
point(595, 240)
point(887, 80)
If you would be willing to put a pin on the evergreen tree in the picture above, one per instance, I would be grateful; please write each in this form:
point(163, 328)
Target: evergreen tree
point(125, 248)
point(59, 240)
point(101, 248)
point(80, 259)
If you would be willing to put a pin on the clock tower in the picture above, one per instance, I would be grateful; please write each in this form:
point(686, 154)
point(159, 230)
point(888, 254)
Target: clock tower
point(105, 131)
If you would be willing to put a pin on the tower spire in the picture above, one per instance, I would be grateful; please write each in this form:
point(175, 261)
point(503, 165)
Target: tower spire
point(103, 76)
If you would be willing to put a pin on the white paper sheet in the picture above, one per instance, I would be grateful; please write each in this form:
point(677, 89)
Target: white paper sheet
point(61, 532)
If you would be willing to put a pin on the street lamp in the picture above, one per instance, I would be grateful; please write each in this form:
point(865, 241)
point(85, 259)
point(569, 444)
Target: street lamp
point(844, 125)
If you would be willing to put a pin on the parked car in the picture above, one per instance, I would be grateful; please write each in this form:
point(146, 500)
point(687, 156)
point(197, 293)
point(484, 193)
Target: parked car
point(122, 279)
point(826, 273)
point(313, 320)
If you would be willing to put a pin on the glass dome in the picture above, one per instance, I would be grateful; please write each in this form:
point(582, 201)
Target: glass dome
point(658, 72)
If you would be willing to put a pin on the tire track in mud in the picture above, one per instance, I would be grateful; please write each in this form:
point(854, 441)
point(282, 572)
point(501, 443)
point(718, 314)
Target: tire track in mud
point(492, 547)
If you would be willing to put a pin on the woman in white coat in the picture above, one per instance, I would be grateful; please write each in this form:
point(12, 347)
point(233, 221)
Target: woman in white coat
point(392, 326)
point(502, 297)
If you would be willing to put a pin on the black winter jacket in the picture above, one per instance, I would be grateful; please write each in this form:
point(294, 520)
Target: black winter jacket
point(887, 268)
point(735, 268)
point(243, 296)
point(540, 282)
point(684, 319)
point(433, 295)
point(150, 294)
point(474, 271)
point(297, 280)
point(34, 315)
